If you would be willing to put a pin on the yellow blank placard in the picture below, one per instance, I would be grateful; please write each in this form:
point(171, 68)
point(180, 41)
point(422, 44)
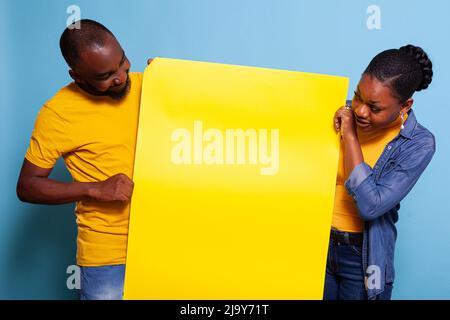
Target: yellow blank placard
point(234, 175)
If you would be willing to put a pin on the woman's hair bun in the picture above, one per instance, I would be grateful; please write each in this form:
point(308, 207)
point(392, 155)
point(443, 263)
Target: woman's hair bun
point(425, 64)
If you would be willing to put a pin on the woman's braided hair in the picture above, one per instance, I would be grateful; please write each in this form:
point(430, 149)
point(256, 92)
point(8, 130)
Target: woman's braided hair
point(404, 70)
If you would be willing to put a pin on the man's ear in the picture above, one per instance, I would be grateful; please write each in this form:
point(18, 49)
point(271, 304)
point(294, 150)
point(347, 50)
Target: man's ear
point(74, 76)
point(407, 106)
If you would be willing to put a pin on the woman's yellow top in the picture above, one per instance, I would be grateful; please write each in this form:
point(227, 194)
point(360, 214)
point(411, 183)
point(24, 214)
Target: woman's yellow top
point(345, 213)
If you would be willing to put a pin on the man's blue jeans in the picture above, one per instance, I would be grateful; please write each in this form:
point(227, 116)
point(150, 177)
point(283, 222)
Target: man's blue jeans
point(102, 283)
point(344, 279)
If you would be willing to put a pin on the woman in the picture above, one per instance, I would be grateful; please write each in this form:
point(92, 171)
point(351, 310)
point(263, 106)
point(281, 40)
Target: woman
point(384, 150)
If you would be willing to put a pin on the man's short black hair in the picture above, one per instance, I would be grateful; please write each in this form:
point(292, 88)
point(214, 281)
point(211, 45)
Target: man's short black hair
point(74, 40)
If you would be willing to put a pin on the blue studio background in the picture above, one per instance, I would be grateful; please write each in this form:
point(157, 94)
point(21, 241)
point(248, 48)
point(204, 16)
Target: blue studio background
point(38, 243)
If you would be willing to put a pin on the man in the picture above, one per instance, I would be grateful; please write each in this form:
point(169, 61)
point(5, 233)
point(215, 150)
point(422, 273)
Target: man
point(92, 124)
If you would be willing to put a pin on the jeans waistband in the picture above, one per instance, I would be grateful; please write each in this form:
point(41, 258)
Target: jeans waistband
point(348, 238)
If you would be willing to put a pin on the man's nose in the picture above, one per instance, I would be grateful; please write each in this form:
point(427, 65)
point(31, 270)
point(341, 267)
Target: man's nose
point(120, 78)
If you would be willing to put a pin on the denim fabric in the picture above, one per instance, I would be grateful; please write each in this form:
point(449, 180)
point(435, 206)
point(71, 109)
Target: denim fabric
point(102, 283)
point(377, 193)
point(344, 278)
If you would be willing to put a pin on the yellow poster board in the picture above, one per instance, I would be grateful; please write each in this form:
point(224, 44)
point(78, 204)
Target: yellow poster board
point(234, 175)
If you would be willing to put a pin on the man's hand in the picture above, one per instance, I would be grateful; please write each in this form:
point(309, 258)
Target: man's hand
point(344, 121)
point(117, 188)
point(149, 61)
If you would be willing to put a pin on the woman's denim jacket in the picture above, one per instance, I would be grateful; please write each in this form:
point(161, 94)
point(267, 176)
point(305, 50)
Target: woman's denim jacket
point(377, 193)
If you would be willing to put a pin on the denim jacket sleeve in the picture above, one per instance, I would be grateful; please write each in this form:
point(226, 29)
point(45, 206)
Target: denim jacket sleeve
point(374, 197)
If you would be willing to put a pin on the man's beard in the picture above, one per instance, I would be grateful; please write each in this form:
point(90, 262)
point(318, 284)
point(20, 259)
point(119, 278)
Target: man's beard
point(113, 95)
point(120, 95)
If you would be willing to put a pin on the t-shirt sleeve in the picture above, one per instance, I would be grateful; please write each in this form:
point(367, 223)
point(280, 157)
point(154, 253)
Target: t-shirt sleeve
point(49, 140)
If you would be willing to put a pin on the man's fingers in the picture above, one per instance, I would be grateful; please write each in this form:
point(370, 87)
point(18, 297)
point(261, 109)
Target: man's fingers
point(128, 191)
point(126, 180)
point(124, 196)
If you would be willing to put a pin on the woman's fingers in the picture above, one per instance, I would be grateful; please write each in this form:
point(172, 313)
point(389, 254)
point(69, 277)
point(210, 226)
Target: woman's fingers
point(342, 115)
point(337, 121)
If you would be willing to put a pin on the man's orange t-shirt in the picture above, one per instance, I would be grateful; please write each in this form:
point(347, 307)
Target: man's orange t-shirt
point(96, 136)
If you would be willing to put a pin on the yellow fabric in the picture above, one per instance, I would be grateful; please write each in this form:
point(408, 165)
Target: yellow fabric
point(96, 136)
point(345, 213)
point(212, 218)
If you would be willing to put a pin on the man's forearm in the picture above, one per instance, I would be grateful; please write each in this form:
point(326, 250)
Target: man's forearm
point(46, 191)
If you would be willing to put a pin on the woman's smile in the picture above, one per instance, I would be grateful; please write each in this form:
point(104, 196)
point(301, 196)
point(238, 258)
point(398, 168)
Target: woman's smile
point(362, 123)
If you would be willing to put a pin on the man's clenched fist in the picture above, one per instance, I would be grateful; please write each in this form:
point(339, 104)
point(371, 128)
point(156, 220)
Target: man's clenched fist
point(117, 188)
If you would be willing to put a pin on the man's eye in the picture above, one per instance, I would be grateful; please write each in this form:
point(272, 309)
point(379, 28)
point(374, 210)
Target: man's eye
point(102, 78)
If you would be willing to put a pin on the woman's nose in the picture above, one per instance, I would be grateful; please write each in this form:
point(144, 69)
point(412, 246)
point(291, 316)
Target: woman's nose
point(362, 111)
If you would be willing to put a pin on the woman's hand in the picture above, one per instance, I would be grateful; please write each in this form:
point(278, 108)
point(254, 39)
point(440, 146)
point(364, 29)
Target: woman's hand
point(344, 121)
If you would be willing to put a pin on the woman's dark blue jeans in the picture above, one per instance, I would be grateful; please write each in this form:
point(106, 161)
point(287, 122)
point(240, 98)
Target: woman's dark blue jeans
point(344, 278)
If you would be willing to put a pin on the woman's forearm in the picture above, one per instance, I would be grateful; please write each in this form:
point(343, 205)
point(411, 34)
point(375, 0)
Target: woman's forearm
point(352, 154)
